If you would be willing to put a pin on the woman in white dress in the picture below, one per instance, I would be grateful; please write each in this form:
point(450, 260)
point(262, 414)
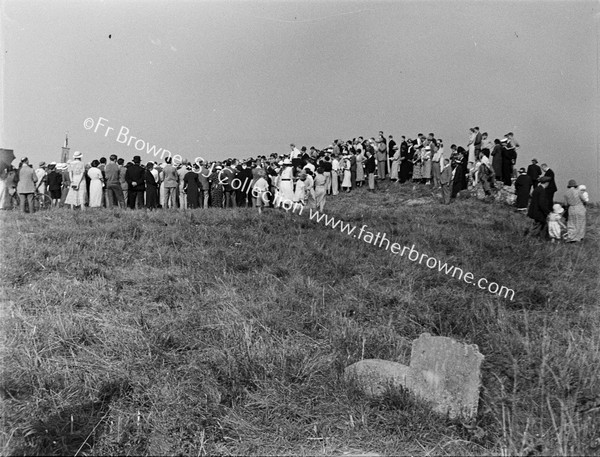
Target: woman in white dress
point(96, 185)
point(347, 180)
point(77, 194)
point(285, 184)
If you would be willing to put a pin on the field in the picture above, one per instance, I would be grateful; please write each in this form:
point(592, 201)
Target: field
point(222, 332)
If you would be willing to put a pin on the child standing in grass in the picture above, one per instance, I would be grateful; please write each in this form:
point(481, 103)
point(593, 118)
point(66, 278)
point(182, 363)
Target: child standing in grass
point(260, 189)
point(556, 226)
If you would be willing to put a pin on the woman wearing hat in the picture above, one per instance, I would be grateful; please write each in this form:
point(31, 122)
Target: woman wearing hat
point(216, 188)
point(76, 195)
point(574, 201)
point(285, 185)
point(42, 178)
point(523, 186)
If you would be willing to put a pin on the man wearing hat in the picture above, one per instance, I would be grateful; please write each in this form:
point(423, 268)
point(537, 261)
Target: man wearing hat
point(135, 177)
point(551, 189)
point(508, 159)
point(539, 209)
point(534, 172)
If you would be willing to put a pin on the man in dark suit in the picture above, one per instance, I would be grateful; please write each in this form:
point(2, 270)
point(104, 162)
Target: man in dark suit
point(226, 177)
point(551, 189)
point(136, 184)
point(244, 174)
point(534, 172)
point(477, 142)
point(405, 162)
point(539, 209)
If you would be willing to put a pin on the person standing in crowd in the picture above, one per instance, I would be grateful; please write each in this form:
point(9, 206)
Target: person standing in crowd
point(321, 184)
point(114, 192)
point(353, 167)
point(497, 159)
point(54, 179)
point(191, 186)
point(575, 203)
point(523, 185)
point(471, 149)
point(477, 142)
point(405, 162)
point(381, 156)
point(77, 191)
point(244, 175)
point(26, 185)
point(335, 173)
point(122, 180)
point(551, 189)
point(41, 175)
point(63, 168)
point(370, 170)
point(436, 165)
point(347, 175)
point(285, 185)
point(260, 189)
point(135, 176)
point(295, 157)
point(203, 176)
point(486, 145)
point(226, 177)
point(459, 179)
point(183, 170)
point(426, 167)
point(300, 190)
point(216, 187)
point(96, 185)
point(539, 209)
point(395, 159)
point(508, 159)
point(534, 172)
point(171, 183)
point(360, 165)
point(151, 187)
point(445, 179)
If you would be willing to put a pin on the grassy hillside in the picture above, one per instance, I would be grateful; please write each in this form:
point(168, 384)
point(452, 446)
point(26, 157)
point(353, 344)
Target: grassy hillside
point(222, 332)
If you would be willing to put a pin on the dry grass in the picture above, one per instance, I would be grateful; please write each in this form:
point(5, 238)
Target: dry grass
point(221, 332)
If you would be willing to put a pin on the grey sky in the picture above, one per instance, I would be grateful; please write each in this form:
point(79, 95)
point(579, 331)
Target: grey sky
point(219, 79)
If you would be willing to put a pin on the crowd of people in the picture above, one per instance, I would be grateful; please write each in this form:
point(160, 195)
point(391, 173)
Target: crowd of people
point(307, 177)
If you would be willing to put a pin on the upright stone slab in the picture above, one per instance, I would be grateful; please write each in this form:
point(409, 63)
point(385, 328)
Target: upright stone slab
point(447, 374)
point(374, 376)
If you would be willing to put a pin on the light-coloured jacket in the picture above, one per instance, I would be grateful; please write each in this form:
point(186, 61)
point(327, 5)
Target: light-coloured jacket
point(27, 180)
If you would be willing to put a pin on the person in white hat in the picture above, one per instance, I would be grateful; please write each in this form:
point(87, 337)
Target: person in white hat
point(77, 192)
point(41, 175)
point(285, 184)
point(556, 226)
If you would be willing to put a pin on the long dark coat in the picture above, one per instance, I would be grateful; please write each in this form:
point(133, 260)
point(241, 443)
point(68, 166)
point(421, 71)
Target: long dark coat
point(523, 189)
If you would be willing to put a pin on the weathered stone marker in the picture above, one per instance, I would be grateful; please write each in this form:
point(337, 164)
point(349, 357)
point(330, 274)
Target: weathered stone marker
point(446, 373)
point(442, 371)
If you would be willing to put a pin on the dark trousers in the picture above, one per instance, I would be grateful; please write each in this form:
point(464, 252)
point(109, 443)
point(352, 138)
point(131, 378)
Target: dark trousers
point(229, 198)
point(135, 196)
point(114, 193)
